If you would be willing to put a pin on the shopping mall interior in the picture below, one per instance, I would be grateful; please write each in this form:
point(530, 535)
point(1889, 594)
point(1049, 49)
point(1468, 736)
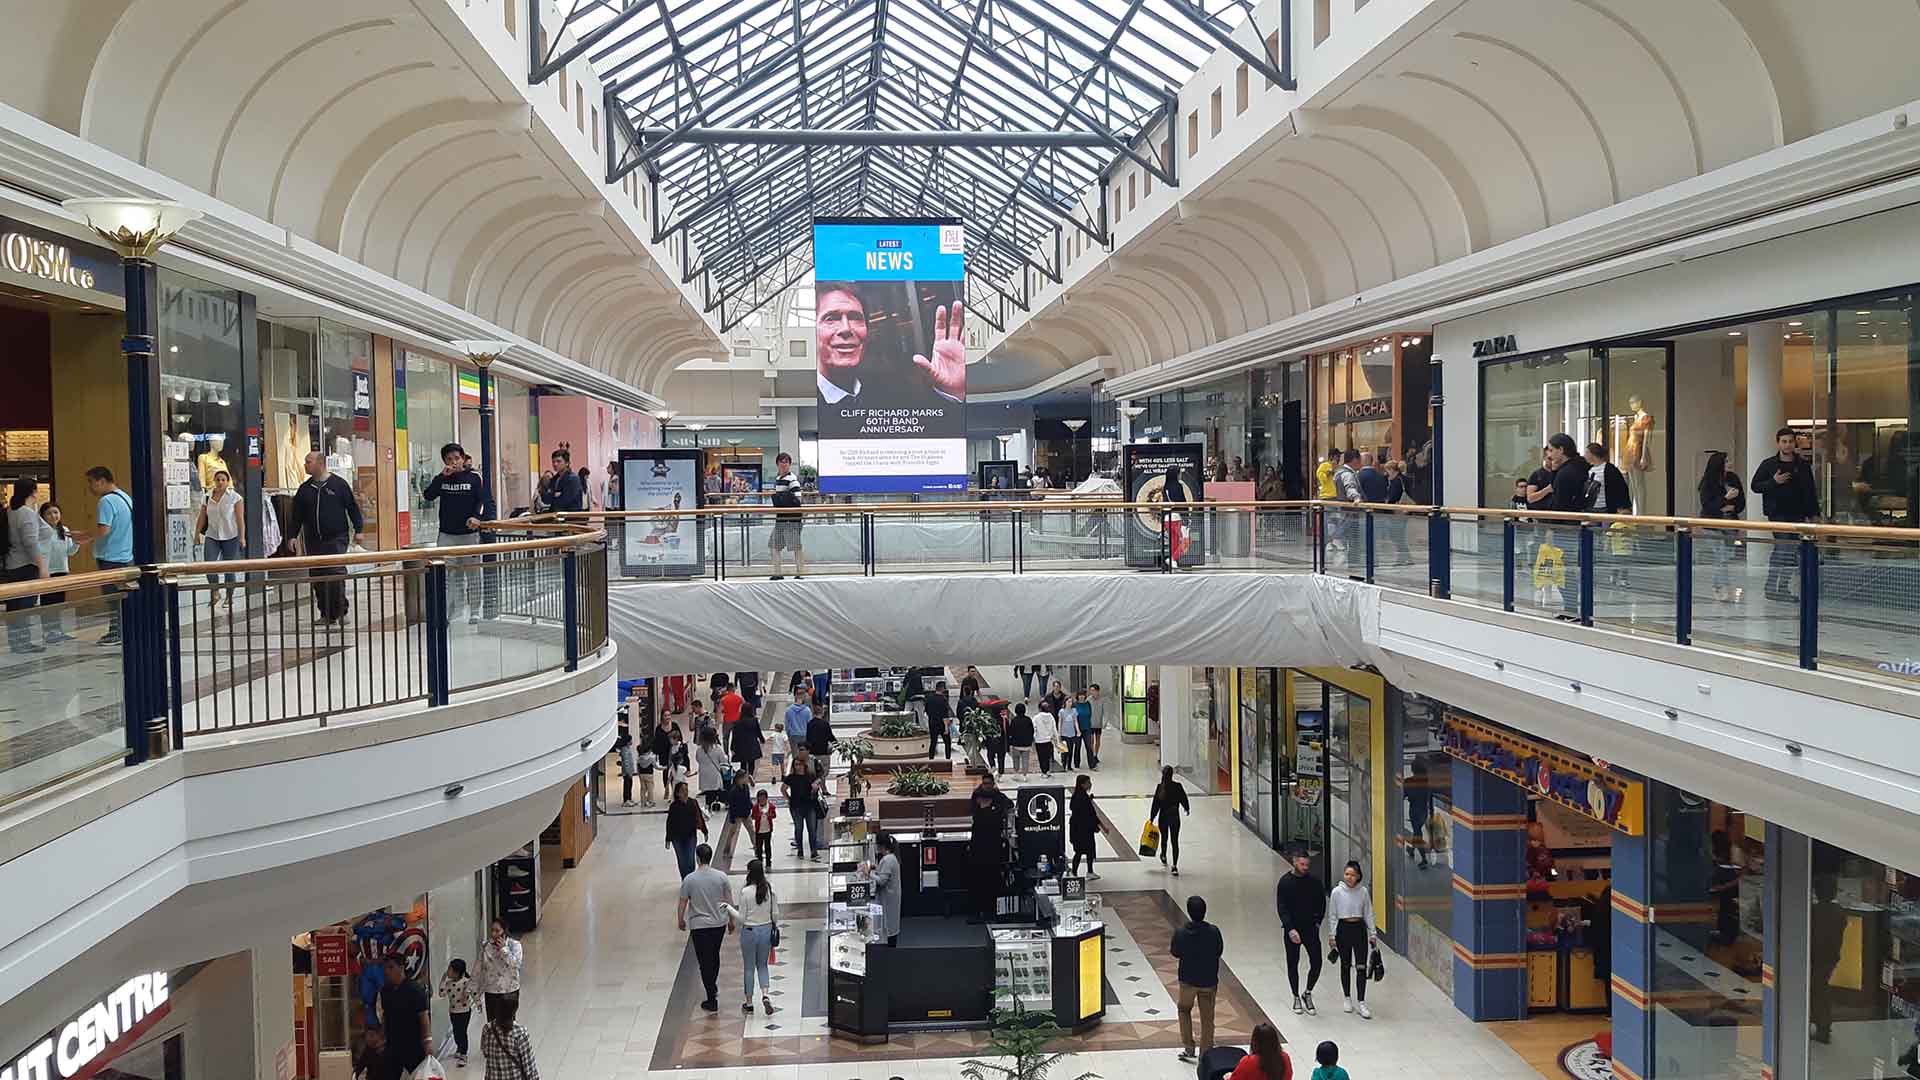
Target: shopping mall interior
point(1430, 477)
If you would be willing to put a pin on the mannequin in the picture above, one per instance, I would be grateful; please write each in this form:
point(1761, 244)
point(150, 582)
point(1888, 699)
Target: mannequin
point(211, 461)
point(1637, 453)
point(290, 448)
point(340, 462)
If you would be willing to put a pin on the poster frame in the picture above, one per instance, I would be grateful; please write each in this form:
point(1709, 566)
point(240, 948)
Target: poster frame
point(698, 568)
point(1139, 463)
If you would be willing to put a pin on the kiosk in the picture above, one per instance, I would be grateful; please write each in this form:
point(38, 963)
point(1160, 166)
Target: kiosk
point(1043, 939)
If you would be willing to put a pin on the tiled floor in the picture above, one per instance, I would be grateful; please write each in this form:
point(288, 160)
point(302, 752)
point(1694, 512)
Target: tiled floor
point(602, 970)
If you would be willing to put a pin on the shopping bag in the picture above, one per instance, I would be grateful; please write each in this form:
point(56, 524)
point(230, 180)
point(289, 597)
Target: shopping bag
point(1550, 568)
point(1149, 840)
point(429, 1069)
point(360, 568)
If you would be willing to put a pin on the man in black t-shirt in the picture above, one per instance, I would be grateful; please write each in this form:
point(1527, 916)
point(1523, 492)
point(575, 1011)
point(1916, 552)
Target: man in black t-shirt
point(404, 1019)
point(786, 527)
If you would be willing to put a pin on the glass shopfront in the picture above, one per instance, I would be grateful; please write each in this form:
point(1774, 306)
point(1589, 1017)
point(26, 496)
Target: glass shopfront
point(515, 471)
point(1258, 702)
point(316, 381)
point(1863, 937)
point(1420, 877)
point(430, 419)
point(203, 370)
point(1277, 430)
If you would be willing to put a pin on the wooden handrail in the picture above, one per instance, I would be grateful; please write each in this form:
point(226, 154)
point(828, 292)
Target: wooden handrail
point(1814, 529)
point(578, 536)
point(89, 580)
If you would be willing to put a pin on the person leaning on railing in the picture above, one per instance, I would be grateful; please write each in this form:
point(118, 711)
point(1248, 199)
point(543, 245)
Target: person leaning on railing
point(1787, 493)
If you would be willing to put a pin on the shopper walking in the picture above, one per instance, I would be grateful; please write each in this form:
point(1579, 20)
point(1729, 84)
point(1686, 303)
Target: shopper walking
point(645, 762)
point(327, 519)
point(629, 766)
point(505, 1047)
point(1083, 824)
point(914, 689)
point(1301, 899)
point(1353, 937)
point(762, 820)
point(1198, 947)
point(732, 702)
point(112, 537)
point(498, 977)
point(1020, 736)
point(803, 805)
point(709, 762)
point(748, 740)
point(1095, 723)
point(703, 917)
point(61, 546)
point(1327, 1054)
point(1046, 736)
point(684, 819)
point(459, 990)
point(1721, 497)
point(1787, 493)
point(1068, 720)
point(1169, 806)
point(820, 738)
point(754, 913)
point(939, 718)
point(1265, 1060)
point(220, 531)
point(464, 502)
point(405, 1017)
point(1570, 475)
point(798, 717)
point(739, 814)
point(26, 560)
point(786, 527)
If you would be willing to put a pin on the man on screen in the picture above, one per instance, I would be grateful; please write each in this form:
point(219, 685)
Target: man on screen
point(840, 350)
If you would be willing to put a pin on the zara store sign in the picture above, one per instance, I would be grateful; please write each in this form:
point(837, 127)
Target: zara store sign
point(115, 1019)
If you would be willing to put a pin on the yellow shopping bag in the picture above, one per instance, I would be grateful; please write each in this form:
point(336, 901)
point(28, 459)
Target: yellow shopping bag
point(1149, 840)
point(1550, 568)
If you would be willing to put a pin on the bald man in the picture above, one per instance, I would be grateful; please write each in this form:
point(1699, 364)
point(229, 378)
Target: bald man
point(326, 518)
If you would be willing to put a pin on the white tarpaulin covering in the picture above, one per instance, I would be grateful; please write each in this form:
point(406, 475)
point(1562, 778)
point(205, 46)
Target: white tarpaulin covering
point(1253, 619)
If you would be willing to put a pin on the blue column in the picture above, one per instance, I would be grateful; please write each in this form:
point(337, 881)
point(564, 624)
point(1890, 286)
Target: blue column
point(486, 438)
point(1489, 895)
point(1770, 952)
point(1632, 956)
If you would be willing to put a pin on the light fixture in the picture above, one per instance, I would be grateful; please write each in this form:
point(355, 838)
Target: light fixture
point(1413, 341)
point(135, 227)
point(1074, 425)
point(173, 348)
point(179, 395)
point(1733, 333)
point(665, 416)
point(1132, 411)
point(482, 351)
point(1795, 322)
point(696, 426)
point(224, 399)
point(735, 442)
point(1863, 313)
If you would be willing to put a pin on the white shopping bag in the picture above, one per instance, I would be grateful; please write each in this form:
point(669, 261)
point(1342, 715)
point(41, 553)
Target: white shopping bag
point(360, 568)
point(430, 1069)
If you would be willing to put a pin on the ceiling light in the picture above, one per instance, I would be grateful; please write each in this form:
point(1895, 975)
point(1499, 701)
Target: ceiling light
point(1733, 333)
point(1795, 322)
point(135, 227)
point(1863, 313)
point(1413, 341)
point(173, 348)
point(179, 395)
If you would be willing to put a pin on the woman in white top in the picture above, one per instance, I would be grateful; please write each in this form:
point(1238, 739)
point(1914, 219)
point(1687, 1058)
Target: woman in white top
point(1046, 732)
point(1350, 906)
point(708, 760)
point(60, 545)
point(754, 915)
point(26, 559)
point(222, 522)
point(498, 974)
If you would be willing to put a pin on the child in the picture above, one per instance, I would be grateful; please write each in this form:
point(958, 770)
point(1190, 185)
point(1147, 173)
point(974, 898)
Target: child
point(739, 806)
point(644, 765)
point(629, 768)
point(460, 993)
point(763, 816)
point(777, 745)
point(1328, 1055)
point(63, 547)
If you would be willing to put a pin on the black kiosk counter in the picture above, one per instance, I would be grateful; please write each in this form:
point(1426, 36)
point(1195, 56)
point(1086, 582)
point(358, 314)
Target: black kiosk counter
point(1044, 941)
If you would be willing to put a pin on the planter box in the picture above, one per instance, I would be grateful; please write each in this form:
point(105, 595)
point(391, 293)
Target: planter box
point(915, 747)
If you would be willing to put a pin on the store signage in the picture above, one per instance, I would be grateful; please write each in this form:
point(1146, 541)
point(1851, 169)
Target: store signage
point(1549, 772)
point(43, 259)
point(1352, 412)
point(1494, 346)
point(330, 953)
point(362, 395)
point(112, 1021)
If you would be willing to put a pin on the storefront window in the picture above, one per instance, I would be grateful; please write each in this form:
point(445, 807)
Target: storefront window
point(1277, 430)
point(1304, 811)
point(201, 369)
point(1349, 778)
point(1865, 462)
point(1424, 878)
point(1525, 400)
point(1863, 932)
point(514, 471)
point(1257, 739)
point(1637, 424)
point(430, 423)
point(1708, 859)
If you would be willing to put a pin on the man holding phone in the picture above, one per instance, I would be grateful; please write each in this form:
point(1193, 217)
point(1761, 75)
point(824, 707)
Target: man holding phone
point(1788, 494)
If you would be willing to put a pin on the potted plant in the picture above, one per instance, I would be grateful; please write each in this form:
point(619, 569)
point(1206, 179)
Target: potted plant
point(977, 725)
point(917, 783)
point(1020, 1037)
point(854, 752)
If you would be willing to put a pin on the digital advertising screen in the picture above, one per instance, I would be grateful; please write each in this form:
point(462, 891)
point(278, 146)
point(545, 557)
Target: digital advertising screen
point(661, 546)
point(738, 479)
point(1164, 473)
point(890, 354)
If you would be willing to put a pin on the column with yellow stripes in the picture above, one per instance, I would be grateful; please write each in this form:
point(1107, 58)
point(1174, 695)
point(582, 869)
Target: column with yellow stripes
point(1489, 895)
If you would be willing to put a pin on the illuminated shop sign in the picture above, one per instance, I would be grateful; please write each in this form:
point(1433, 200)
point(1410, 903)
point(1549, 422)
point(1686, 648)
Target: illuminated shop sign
point(1351, 412)
point(1549, 772)
point(43, 259)
point(108, 1024)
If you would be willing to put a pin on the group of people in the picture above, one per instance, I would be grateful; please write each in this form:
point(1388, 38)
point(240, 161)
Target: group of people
point(1069, 723)
point(1362, 476)
point(402, 1036)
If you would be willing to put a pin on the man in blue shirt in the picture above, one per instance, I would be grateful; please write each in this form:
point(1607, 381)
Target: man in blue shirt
point(797, 717)
point(113, 536)
point(561, 491)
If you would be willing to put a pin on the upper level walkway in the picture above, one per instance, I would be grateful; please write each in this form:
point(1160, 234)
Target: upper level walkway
point(1604, 633)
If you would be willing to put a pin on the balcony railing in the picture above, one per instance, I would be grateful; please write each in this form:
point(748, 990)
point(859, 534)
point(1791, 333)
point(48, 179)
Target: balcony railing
point(124, 664)
point(1819, 596)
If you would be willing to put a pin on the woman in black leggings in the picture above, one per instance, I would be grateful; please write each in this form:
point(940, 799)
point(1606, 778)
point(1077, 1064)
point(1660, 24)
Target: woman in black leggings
point(1169, 804)
point(1351, 906)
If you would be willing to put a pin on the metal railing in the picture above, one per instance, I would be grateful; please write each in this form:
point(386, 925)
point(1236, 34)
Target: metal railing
point(126, 664)
point(1819, 596)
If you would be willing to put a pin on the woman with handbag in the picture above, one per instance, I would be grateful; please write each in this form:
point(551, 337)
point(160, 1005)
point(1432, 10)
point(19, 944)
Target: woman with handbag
point(1169, 805)
point(505, 1047)
point(756, 914)
point(1351, 906)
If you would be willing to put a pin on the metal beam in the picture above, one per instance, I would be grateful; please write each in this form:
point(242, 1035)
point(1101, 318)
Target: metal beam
point(861, 137)
point(1279, 70)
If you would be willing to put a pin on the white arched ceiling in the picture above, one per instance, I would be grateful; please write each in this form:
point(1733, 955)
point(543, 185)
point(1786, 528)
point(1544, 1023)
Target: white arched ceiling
point(359, 125)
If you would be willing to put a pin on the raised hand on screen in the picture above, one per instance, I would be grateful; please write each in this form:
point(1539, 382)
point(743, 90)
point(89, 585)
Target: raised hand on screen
point(948, 368)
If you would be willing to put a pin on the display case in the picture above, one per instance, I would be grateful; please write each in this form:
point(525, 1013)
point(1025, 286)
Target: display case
point(856, 1004)
point(857, 695)
point(1023, 967)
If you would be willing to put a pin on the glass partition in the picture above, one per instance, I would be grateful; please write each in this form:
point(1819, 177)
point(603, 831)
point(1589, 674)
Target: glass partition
point(430, 421)
point(514, 471)
point(202, 429)
point(1863, 931)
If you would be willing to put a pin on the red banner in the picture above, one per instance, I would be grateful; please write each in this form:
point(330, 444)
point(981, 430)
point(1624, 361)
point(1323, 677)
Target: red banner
point(330, 953)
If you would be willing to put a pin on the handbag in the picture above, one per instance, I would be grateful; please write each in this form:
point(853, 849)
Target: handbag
point(775, 942)
point(1376, 969)
point(1333, 954)
point(1149, 840)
